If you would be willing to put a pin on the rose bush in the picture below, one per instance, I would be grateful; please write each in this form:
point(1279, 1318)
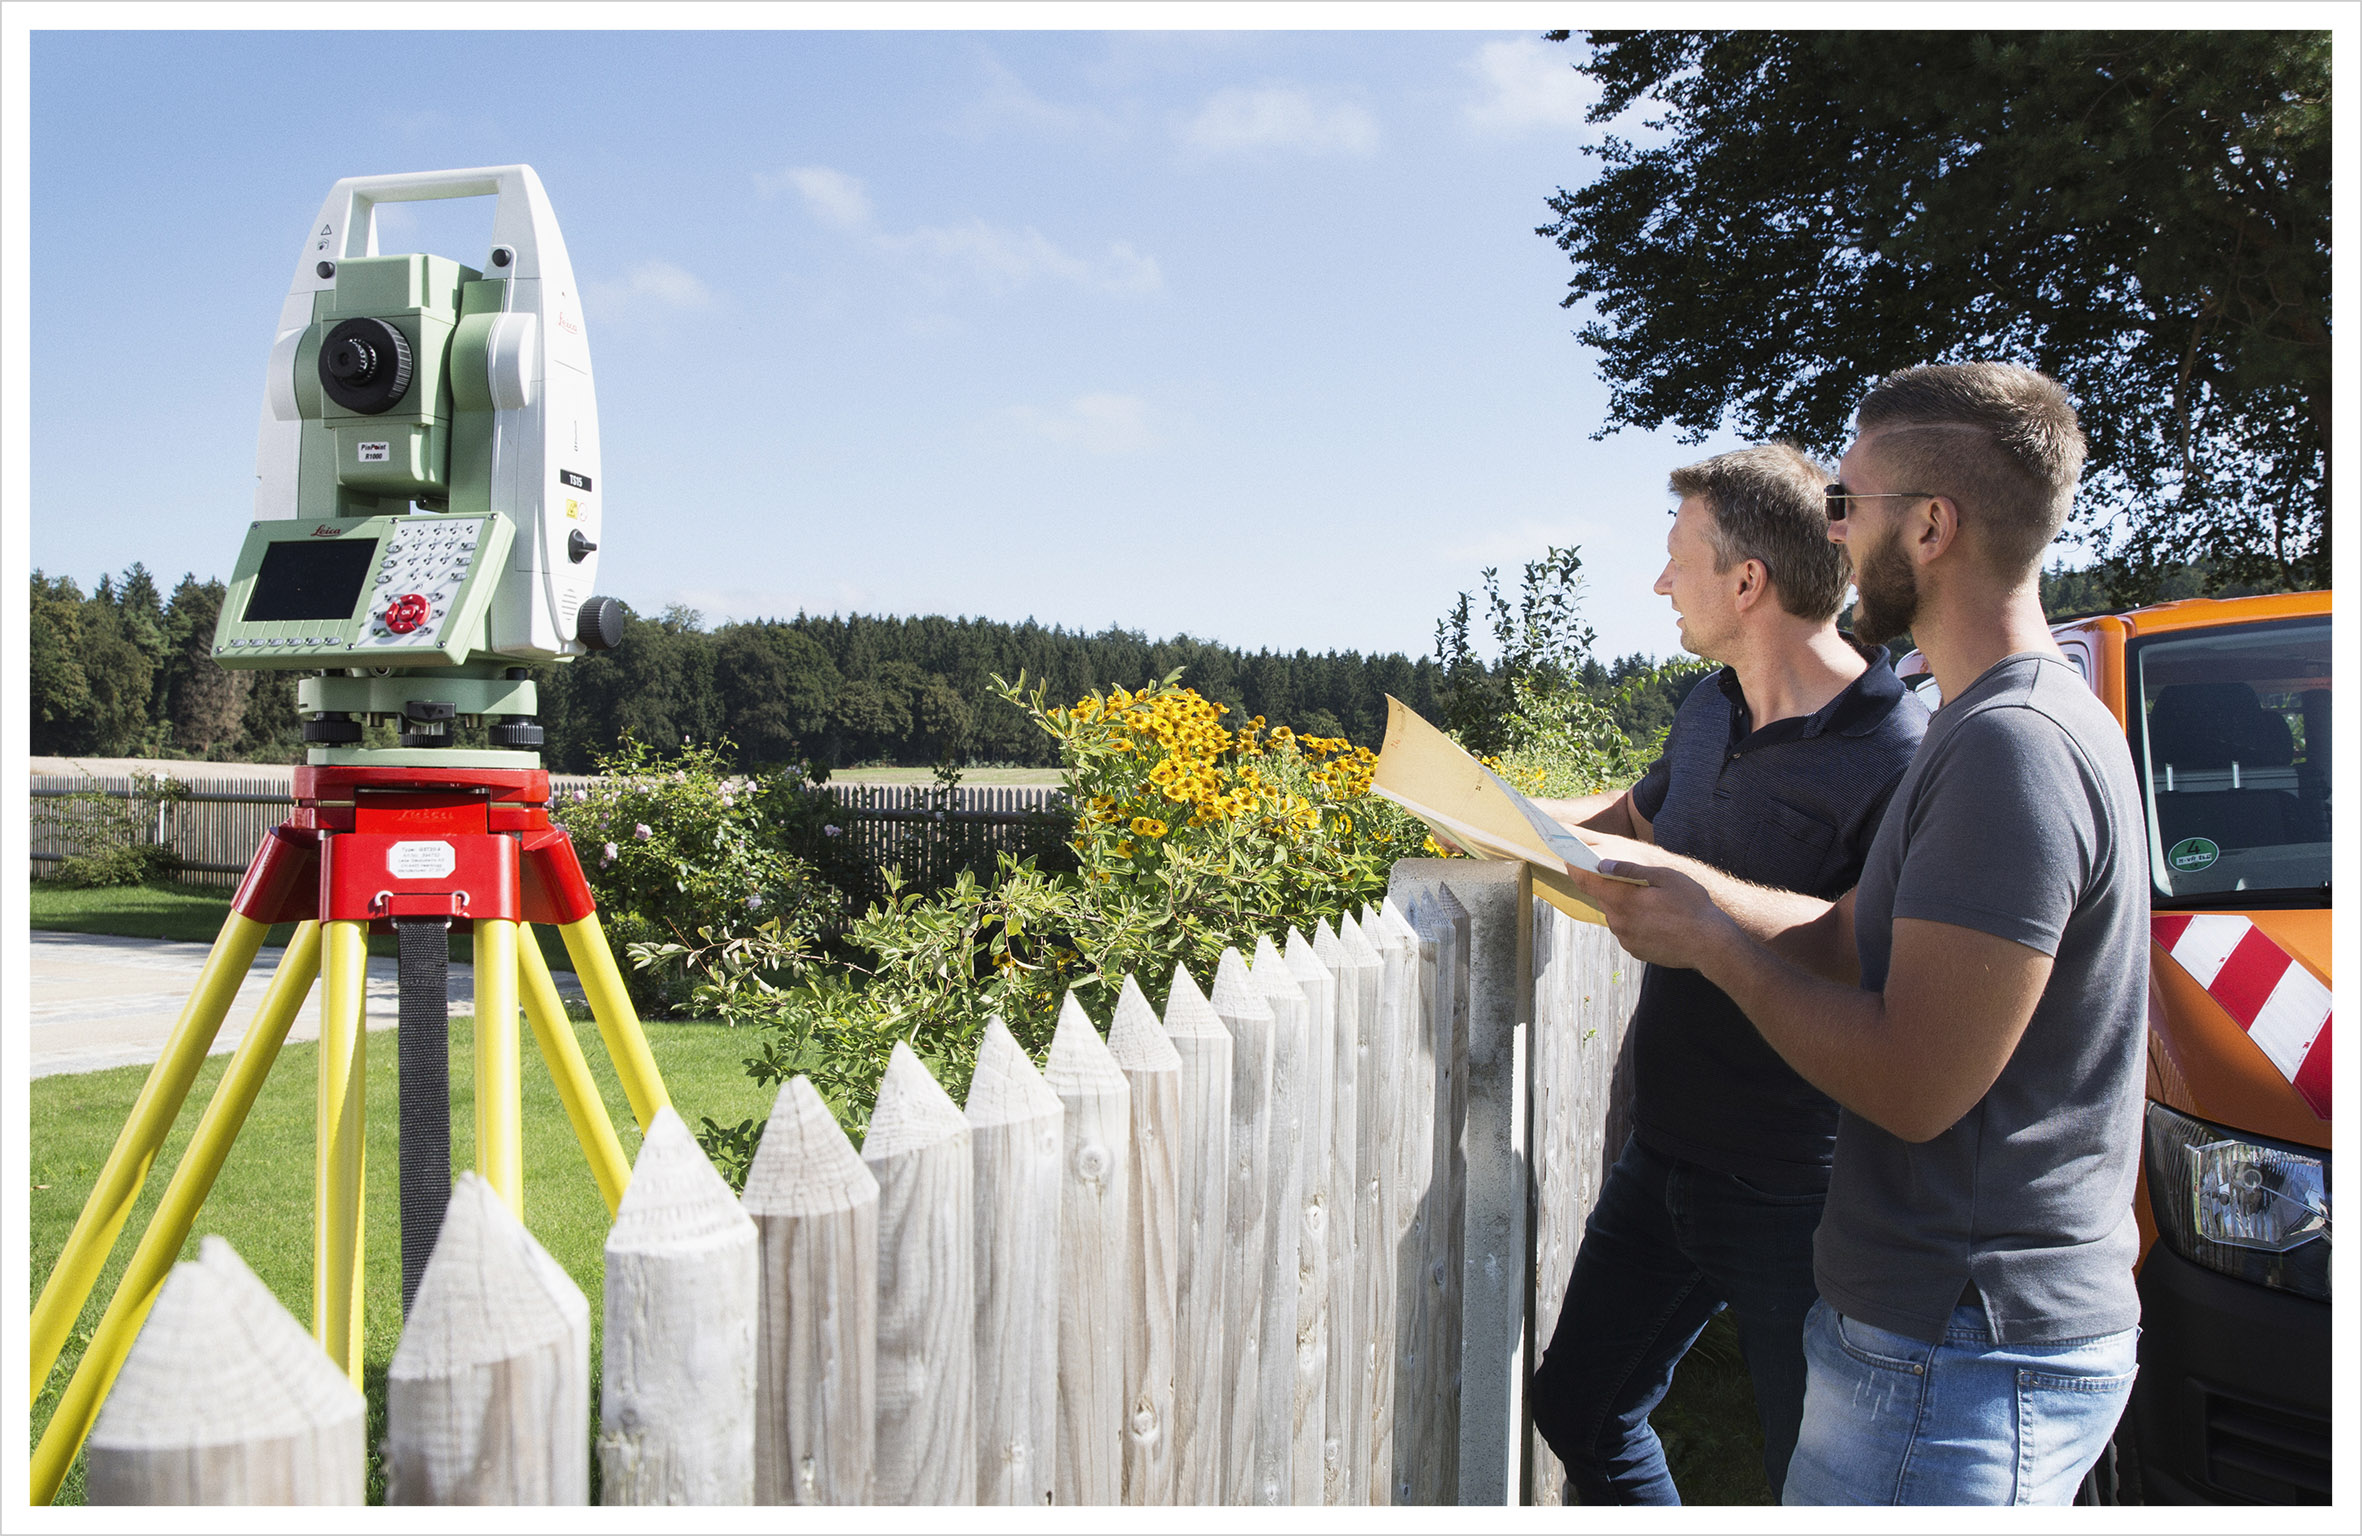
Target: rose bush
point(689, 864)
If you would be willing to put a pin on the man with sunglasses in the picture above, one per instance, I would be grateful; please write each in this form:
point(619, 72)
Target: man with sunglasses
point(1775, 770)
point(1976, 1004)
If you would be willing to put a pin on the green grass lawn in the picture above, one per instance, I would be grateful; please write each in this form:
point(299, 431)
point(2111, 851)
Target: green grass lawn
point(262, 1201)
point(194, 914)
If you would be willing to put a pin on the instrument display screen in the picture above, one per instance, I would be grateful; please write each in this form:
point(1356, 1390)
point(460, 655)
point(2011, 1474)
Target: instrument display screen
point(310, 579)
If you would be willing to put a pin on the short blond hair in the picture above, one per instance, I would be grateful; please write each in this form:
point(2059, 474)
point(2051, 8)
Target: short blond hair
point(2001, 441)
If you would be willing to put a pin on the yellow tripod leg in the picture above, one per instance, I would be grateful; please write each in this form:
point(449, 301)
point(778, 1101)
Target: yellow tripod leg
point(555, 1035)
point(619, 1024)
point(176, 1212)
point(152, 1113)
point(338, 1163)
point(500, 1142)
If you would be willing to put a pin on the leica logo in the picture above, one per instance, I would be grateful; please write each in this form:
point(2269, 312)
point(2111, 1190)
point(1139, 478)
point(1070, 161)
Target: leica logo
point(325, 531)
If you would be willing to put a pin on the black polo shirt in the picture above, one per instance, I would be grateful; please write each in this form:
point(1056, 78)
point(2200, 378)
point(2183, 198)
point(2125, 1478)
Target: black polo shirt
point(1794, 805)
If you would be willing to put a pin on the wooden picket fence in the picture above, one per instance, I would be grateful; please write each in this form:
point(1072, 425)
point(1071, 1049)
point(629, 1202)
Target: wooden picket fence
point(217, 817)
point(1289, 1244)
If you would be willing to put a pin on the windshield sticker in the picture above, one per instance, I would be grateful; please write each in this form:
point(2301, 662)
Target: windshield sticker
point(2192, 854)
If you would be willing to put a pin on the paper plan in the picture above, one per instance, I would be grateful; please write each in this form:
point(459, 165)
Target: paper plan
point(1433, 777)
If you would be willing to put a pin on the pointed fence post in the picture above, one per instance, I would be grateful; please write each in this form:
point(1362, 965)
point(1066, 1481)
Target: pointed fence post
point(918, 1149)
point(1239, 1004)
point(815, 1209)
point(1202, 1156)
point(225, 1398)
point(1282, 1443)
point(1320, 1443)
point(1094, 1219)
point(677, 1382)
point(1018, 1126)
point(1153, 1069)
point(488, 1394)
point(1345, 1456)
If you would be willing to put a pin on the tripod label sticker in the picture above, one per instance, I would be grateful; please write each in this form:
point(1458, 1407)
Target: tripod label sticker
point(420, 861)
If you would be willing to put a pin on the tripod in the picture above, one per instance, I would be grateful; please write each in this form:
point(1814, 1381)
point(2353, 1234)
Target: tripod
point(413, 851)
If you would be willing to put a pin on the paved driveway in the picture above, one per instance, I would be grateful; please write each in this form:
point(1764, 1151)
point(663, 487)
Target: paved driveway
point(109, 1002)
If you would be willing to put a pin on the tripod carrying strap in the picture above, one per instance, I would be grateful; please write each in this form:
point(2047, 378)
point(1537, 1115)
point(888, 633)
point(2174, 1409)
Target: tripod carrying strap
point(425, 1104)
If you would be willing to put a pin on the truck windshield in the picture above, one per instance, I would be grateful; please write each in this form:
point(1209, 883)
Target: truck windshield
point(2233, 750)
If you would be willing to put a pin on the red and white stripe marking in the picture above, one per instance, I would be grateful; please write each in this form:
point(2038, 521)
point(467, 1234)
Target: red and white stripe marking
point(2283, 1007)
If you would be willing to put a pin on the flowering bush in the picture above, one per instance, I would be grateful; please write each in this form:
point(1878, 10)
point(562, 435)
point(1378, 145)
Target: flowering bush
point(688, 864)
point(1189, 837)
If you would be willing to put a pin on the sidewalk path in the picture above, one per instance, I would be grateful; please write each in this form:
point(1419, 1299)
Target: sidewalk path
point(109, 1002)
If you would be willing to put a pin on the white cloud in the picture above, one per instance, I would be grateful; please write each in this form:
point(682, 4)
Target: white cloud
point(834, 198)
point(1526, 84)
point(1003, 258)
point(649, 286)
point(1105, 424)
point(1279, 117)
point(999, 256)
point(667, 284)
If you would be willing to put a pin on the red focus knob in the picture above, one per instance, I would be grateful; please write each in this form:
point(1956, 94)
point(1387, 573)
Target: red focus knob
point(406, 613)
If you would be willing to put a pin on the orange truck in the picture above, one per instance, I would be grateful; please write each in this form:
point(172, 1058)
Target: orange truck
point(2226, 707)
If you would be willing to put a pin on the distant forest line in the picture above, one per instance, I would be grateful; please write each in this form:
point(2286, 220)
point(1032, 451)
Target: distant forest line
point(126, 670)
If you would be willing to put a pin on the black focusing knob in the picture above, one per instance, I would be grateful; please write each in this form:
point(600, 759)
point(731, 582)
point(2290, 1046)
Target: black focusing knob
point(578, 548)
point(365, 366)
point(599, 623)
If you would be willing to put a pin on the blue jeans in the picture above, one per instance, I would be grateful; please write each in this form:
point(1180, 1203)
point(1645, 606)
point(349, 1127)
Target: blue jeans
point(1890, 1419)
point(1669, 1245)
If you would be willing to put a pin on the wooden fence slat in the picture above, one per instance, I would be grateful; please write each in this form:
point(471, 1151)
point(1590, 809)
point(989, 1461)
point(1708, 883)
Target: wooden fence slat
point(1373, 1111)
point(1093, 1224)
point(1322, 1266)
point(815, 1207)
point(1389, 978)
point(1585, 989)
point(1151, 1247)
point(1348, 1240)
point(224, 1398)
point(1202, 1155)
point(1427, 1402)
point(1018, 1125)
point(1243, 1011)
point(488, 1393)
point(1283, 1441)
point(918, 1149)
point(683, 1283)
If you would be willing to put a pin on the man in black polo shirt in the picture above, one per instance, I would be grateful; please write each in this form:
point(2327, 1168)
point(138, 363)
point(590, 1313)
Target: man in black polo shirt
point(1776, 770)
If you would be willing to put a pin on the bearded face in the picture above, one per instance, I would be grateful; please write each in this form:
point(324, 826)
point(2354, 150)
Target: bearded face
point(1888, 585)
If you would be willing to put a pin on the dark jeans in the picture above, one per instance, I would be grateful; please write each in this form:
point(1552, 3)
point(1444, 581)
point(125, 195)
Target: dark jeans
point(1669, 1245)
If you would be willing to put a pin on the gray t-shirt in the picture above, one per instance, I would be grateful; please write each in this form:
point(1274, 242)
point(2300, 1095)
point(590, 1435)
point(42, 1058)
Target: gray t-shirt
point(2019, 818)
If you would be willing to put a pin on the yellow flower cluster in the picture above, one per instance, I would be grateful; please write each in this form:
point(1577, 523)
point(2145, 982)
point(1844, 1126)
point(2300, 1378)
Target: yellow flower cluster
point(1198, 764)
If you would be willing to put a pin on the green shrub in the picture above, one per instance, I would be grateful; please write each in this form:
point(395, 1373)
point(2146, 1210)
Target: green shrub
point(110, 839)
point(690, 867)
point(1188, 838)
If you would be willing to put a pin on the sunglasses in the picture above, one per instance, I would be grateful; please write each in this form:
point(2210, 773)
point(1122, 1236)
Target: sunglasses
point(1834, 497)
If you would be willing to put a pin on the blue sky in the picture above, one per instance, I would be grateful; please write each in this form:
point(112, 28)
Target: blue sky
point(1244, 335)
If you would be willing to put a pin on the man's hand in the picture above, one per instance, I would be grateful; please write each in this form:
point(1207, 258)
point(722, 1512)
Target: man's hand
point(1670, 921)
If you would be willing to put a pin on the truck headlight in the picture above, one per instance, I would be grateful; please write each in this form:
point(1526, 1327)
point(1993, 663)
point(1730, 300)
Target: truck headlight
point(2255, 1209)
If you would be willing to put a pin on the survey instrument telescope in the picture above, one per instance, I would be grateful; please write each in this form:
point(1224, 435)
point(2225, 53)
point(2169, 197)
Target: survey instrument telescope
point(427, 498)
